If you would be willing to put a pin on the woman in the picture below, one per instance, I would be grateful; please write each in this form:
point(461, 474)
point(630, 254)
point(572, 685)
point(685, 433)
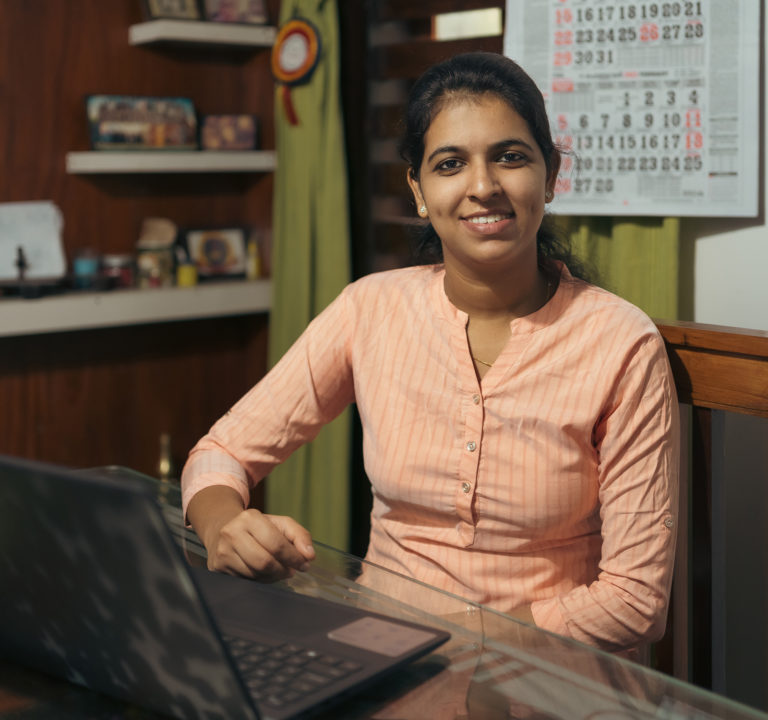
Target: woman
point(520, 428)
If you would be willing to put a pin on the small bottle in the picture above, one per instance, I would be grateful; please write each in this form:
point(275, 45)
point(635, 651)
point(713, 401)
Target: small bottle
point(253, 260)
point(166, 472)
point(85, 268)
point(186, 274)
point(118, 270)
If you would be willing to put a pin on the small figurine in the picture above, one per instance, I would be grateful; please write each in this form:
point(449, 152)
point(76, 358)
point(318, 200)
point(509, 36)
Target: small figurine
point(21, 263)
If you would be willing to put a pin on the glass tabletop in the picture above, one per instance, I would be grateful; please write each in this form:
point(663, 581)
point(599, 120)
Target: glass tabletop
point(492, 667)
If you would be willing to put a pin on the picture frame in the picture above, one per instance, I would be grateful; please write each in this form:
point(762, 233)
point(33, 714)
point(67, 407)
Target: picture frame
point(128, 122)
point(229, 132)
point(172, 10)
point(249, 12)
point(219, 253)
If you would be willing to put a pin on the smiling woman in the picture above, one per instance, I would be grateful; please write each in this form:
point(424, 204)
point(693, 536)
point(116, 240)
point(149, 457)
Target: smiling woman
point(520, 424)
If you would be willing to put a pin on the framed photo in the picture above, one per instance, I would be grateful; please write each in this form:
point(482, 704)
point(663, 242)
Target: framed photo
point(172, 10)
point(122, 122)
point(218, 253)
point(253, 12)
point(228, 132)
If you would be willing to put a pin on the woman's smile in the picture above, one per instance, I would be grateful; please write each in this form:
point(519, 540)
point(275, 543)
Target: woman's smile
point(486, 219)
point(490, 223)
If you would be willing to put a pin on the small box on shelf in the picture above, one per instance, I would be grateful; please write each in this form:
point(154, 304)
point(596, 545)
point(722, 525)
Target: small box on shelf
point(229, 132)
point(173, 9)
point(250, 12)
point(127, 122)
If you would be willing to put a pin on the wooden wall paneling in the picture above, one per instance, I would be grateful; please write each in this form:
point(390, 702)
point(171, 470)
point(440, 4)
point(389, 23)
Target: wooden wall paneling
point(393, 242)
point(409, 60)
point(385, 122)
point(353, 22)
point(104, 396)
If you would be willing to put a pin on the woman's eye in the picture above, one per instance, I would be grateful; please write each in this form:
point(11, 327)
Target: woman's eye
point(512, 157)
point(448, 165)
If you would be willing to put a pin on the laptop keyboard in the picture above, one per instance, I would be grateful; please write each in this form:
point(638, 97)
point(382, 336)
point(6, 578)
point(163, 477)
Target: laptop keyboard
point(277, 675)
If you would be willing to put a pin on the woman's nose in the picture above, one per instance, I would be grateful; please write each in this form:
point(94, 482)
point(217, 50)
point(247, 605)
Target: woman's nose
point(483, 183)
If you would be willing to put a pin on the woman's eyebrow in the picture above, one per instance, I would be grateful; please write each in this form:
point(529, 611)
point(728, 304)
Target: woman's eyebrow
point(507, 143)
point(443, 149)
point(512, 142)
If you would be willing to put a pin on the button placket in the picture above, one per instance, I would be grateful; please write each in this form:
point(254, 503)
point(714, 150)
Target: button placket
point(473, 413)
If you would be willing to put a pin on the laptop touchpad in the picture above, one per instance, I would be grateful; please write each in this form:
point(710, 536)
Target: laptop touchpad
point(380, 636)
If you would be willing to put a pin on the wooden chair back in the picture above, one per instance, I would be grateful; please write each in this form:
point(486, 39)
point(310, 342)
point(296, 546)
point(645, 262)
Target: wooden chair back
point(715, 369)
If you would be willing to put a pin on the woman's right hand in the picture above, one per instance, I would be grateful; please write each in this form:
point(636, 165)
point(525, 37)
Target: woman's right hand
point(248, 543)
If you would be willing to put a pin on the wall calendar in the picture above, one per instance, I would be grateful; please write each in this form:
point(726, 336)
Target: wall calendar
point(655, 103)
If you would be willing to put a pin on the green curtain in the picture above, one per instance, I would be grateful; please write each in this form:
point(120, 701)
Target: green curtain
point(636, 258)
point(310, 265)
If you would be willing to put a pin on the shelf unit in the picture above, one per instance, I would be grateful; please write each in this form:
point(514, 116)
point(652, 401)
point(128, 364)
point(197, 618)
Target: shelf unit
point(183, 32)
point(194, 32)
point(90, 310)
point(169, 161)
point(115, 308)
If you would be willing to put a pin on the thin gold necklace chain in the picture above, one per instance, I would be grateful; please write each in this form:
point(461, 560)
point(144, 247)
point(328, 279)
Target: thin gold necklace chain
point(549, 297)
point(482, 362)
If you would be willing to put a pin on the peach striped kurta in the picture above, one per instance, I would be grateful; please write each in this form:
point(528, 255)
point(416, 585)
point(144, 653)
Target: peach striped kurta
point(553, 483)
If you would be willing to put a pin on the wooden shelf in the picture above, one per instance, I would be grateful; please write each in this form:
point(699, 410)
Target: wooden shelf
point(190, 32)
point(90, 310)
point(170, 161)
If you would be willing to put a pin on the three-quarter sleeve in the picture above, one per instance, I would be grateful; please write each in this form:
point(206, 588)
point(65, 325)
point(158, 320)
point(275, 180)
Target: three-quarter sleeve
point(637, 444)
point(307, 388)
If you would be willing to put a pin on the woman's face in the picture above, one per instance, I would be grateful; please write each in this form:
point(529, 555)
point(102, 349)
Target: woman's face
point(483, 180)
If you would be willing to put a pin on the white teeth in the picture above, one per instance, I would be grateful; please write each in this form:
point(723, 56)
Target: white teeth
point(485, 219)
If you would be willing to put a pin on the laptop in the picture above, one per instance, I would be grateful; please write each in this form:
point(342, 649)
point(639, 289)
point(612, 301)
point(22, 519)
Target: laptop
point(95, 589)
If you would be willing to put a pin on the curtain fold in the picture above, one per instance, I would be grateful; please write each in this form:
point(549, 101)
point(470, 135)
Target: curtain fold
point(636, 258)
point(310, 265)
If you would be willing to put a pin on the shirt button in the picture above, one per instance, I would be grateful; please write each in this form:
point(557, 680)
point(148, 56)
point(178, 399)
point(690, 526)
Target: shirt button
point(465, 487)
point(476, 399)
point(669, 522)
point(471, 446)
